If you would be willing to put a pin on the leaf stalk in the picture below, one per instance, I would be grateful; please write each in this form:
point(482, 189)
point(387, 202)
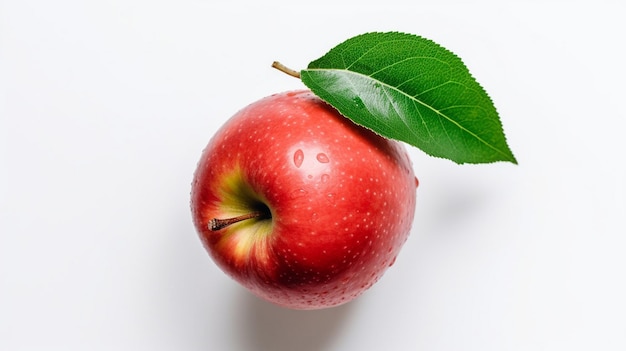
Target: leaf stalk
point(279, 66)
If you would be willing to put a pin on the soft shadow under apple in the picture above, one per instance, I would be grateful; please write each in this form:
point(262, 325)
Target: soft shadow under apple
point(269, 327)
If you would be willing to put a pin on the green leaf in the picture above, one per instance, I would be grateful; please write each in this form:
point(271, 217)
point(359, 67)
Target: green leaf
point(411, 89)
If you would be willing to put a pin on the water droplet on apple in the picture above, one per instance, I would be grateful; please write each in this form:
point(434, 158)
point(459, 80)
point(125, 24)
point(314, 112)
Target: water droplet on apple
point(325, 178)
point(393, 260)
point(301, 192)
point(322, 158)
point(298, 158)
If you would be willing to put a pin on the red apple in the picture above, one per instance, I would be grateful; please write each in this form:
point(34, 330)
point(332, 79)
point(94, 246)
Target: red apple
point(299, 204)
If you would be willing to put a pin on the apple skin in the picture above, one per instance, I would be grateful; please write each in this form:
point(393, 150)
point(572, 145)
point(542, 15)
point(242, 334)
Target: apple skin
point(341, 199)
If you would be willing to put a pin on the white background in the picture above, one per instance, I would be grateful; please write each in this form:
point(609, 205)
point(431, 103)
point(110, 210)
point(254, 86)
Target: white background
point(105, 107)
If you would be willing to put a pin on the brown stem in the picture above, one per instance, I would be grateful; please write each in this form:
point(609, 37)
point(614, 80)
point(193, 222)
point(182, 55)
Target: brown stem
point(217, 224)
point(279, 66)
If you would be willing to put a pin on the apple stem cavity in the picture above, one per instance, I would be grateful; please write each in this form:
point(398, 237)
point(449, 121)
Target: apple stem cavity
point(216, 224)
point(279, 66)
